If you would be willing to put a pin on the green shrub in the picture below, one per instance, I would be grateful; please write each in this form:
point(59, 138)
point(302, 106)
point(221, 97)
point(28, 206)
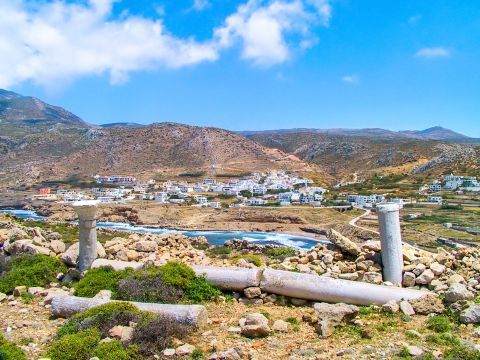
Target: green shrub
point(220, 250)
point(30, 270)
point(114, 350)
point(280, 252)
point(461, 352)
point(103, 278)
point(77, 346)
point(9, 351)
point(443, 339)
point(103, 318)
point(170, 283)
point(197, 354)
point(200, 290)
point(254, 259)
point(440, 324)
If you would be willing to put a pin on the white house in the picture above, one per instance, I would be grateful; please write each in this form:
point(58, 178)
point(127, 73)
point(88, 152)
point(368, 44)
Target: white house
point(435, 199)
point(161, 197)
point(255, 202)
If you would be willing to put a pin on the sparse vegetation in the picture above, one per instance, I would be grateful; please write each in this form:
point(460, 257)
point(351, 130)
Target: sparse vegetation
point(78, 346)
point(251, 258)
point(103, 278)
point(440, 324)
point(280, 252)
point(30, 270)
point(9, 351)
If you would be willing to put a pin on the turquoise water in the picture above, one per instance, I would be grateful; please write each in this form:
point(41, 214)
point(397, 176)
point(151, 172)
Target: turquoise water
point(213, 237)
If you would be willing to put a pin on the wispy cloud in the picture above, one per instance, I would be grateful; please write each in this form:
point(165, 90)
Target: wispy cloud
point(433, 53)
point(351, 79)
point(200, 5)
point(51, 43)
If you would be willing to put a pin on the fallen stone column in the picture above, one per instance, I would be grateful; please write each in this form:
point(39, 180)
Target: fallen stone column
point(117, 264)
point(230, 278)
point(391, 242)
point(86, 211)
point(323, 288)
point(191, 315)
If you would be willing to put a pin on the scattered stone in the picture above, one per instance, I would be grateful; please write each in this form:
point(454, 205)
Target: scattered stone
point(391, 307)
point(2, 296)
point(437, 268)
point(185, 349)
point(298, 302)
point(332, 315)
point(344, 243)
point(414, 350)
point(57, 246)
point(458, 291)
point(146, 246)
point(428, 304)
point(35, 290)
point(104, 294)
point(169, 352)
point(123, 333)
point(425, 277)
point(408, 279)
point(455, 279)
point(254, 325)
point(406, 308)
point(373, 278)
point(252, 292)
point(281, 326)
point(471, 315)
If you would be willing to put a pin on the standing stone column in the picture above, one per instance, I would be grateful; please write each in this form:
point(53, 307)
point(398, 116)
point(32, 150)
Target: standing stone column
point(86, 211)
point(391, 241)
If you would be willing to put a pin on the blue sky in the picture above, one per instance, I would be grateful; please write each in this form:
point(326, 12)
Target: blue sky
point(252, 64)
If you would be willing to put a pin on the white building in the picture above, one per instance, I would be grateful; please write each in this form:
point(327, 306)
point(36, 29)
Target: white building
point(365, 199)
point(435, 199)
point(161, 197)
point(255, 202)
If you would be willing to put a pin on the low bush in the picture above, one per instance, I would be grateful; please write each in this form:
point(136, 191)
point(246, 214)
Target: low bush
point(9, 351)
point(440, 324)
point(103, 278)
point(103, 318)
point(114, 350)
point(79, 346)
point(171, 283)
point(280, 252)
point(219, 250)
point(157, 333)
point(253, 259)
point(30, 270)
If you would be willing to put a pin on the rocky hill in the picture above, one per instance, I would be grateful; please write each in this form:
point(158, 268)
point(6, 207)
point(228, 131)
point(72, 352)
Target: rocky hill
point(41, 142)
point(346, 154)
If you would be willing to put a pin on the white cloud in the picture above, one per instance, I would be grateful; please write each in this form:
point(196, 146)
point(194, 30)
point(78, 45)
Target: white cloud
point(51, 43)
point(200, 5)
point(433, 53)
point(262, 28)
point(54, 42)
point(351, 79)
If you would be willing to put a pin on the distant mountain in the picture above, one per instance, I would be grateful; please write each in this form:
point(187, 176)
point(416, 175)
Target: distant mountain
point(123, 124)
point(24, 115)
point(433, 133)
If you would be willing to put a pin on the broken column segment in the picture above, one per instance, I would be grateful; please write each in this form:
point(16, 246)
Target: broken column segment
point(86, 211)
point(190, 315)
point(391, 242)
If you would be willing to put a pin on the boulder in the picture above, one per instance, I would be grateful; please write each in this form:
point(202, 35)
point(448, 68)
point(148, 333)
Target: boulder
point(454, 279)
point(344, 243)
point(408, 279)
point(437, 268)
point(70, 256)
point(146, 246)
point(428, 304)
point(373, 277)
point(406, 308)
point(281, 326)
point(458, 291)
point(331, 315)
point(254, 325)
point(471, 315)
point(57, 246)
point(425, 277)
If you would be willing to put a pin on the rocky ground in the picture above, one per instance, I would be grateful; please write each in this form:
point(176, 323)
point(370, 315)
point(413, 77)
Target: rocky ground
point(258, 325)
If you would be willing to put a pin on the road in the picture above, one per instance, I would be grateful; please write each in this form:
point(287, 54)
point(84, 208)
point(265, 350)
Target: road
point(353, 222)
